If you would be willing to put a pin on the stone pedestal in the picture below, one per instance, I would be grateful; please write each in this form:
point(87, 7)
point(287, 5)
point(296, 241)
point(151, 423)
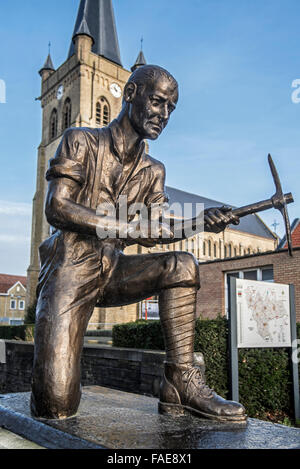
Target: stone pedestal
point(119, 420)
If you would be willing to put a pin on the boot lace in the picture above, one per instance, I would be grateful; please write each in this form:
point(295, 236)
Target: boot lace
point(195, 383)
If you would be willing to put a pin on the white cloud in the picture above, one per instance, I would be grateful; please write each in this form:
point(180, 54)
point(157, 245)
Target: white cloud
point(15, 229)
point(14, 208)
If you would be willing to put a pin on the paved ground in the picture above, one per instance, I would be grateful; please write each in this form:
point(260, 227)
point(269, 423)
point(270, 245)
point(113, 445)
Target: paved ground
point(113, 419)
point(10, 440)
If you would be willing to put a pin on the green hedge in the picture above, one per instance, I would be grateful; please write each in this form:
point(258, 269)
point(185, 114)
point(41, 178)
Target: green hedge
point(25, 332)
point(265, 380)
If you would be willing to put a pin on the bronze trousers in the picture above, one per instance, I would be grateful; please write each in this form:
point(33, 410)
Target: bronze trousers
point(65, 304)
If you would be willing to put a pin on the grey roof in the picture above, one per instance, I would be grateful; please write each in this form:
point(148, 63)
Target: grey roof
point(100, 23)
point(48, 65)
point(139, 61)
point(83, 29)
point(293, 227)
point(251, 224)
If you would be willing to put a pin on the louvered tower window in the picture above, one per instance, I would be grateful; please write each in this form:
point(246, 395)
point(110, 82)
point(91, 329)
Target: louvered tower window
point(102, 112)
point(53, 124)
point(67, 114)
point(98, 114)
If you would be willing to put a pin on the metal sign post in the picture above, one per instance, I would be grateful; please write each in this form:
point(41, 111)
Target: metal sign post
point(294, 354)
point(233, 341)
point(234, 358)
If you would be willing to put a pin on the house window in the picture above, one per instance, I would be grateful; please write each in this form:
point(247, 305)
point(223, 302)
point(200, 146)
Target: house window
point(215, 250)
point(16, 322)
point(102, 112)
point(13, 304)
point(264, 274)
point(67, 114)
point(53, 124)
point(22, 304)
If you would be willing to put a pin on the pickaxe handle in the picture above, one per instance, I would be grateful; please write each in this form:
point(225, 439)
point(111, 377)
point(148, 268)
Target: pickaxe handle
point(263, 205)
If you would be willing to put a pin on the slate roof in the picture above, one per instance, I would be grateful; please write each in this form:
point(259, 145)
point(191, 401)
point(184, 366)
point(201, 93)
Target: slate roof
point(7, 281)
point(251, 224)
point(295, 234)
point(139, 61)
point(48, 65)
point(97, 18)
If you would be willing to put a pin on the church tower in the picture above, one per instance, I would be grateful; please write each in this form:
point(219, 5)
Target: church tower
point(85, 91)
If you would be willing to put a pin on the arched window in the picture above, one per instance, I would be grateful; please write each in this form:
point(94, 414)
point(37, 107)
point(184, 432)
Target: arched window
point(235, 252)
point(225, 251)
point(98, 113)
point(66, 123)
point(193, 249)
point(215, 250)
point(106, 116)
point(229, 251)
point(204, 248)
point(102, 112)
point(209, 248)
point(53, 124)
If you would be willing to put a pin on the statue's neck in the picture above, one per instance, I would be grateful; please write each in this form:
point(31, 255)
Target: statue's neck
point(131, 139)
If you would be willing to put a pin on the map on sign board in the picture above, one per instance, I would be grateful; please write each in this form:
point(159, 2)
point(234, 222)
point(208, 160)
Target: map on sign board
point(263, 314)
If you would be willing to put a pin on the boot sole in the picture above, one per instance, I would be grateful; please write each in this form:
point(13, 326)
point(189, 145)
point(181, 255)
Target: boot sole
point(178, 410)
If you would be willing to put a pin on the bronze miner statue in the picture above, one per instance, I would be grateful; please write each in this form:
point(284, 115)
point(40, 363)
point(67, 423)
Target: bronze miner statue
point(83, 264)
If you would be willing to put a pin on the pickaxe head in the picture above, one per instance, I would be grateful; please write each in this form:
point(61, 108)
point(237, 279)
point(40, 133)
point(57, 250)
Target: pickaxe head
point(280, 201)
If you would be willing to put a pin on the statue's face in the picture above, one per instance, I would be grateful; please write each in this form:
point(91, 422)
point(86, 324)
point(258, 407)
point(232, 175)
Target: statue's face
point(152, 106)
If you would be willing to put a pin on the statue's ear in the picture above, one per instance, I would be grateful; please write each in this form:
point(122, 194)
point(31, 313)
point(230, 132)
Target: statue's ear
point(130, 92)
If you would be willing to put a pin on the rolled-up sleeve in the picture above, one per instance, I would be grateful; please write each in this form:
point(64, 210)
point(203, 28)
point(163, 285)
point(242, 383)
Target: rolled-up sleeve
point(157, 194)
point(69, 160)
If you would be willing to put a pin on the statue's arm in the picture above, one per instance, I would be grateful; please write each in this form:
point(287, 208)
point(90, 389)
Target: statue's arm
point(213, 220)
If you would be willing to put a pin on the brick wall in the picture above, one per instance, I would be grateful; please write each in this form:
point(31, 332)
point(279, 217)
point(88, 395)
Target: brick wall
point(131, 370)
point(211, 296)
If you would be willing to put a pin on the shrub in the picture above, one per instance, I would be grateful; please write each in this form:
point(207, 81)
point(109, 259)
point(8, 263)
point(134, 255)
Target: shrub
point(25, 332)
point(30, 314)
point(265, 381)
point(139, 334)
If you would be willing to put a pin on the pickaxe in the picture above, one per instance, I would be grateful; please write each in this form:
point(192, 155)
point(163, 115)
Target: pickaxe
point(279, 201)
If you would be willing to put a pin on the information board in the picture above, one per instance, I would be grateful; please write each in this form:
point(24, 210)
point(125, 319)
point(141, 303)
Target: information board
point(263, 314)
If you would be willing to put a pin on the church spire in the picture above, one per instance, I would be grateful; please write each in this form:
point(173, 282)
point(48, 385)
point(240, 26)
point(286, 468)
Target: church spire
point(96, 17)
point(140, 61)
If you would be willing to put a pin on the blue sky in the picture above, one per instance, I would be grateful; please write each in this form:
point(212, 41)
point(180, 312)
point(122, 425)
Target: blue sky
point(235, 62)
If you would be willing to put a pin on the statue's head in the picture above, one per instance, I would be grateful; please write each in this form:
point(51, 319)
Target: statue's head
point(151, 95)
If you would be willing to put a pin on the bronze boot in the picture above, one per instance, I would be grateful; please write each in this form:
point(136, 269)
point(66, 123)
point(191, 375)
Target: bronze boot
point(183, 387)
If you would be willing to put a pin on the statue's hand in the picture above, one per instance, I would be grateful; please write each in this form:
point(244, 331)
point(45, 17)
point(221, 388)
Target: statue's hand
point(217, 218)
point(152, 235)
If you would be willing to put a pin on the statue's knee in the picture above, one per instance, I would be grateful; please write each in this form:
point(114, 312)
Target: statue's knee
point(191, 268)
point(185, 266)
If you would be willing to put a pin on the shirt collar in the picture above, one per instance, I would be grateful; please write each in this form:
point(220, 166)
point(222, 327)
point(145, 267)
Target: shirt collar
point(118, 141)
